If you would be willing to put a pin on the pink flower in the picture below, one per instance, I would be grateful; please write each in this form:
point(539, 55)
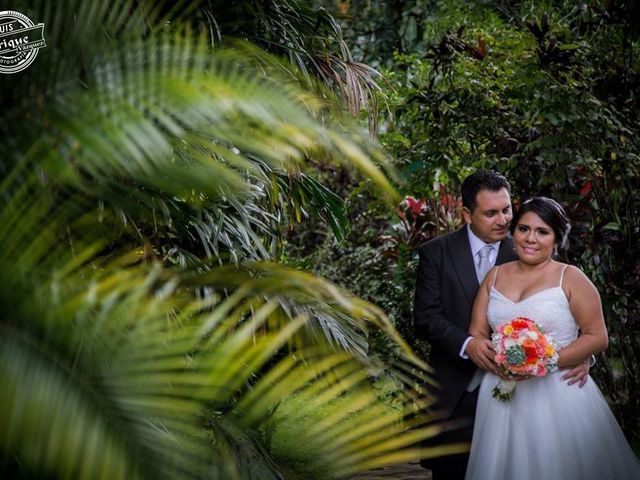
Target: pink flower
point(521, 342)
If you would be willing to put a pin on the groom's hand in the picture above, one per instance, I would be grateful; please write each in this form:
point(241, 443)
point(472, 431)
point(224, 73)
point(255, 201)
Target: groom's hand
point(481, 352)
point(578, 374)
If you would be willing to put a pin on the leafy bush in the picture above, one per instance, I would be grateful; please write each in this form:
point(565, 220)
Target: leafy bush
point(547, 93)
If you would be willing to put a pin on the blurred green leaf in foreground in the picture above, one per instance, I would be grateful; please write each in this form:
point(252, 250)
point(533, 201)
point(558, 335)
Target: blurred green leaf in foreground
point(145, 331)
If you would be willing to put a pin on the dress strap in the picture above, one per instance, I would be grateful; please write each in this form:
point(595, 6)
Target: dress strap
point(561, 275)
point(495, 275)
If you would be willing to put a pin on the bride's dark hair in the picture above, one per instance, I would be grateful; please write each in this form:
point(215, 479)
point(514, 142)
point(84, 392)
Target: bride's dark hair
point(551, 213)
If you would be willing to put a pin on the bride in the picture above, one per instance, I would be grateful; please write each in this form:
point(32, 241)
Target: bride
point(549, 429)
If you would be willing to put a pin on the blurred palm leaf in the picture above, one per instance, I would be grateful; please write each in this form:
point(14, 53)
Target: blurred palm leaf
point(145, 108)
point(199, 151)
point(115, 371)
point(142, 143)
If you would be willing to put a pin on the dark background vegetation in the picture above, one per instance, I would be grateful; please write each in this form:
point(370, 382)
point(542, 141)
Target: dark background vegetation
point(545, 92)
point(192, 169)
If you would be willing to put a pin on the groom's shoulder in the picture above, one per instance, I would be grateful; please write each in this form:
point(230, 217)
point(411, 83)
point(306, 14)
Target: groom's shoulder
point(441, 241)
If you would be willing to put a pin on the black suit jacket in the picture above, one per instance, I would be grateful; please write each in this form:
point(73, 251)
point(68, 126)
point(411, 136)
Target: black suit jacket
point(446, 287)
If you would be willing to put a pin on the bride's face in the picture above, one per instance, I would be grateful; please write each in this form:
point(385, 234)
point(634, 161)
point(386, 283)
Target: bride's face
point(534, 240)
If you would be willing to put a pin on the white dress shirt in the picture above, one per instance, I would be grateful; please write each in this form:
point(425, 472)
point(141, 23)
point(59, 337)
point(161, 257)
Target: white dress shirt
point(476, 244)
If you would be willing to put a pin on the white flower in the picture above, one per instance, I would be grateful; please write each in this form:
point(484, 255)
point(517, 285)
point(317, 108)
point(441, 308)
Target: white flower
point(510, 342)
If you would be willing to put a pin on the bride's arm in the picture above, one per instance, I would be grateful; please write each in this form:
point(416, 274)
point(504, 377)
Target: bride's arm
point(586, 308)
point(480, 349)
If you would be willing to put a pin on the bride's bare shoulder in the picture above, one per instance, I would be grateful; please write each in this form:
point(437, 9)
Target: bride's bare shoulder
point(573, 273)
point(576, 281)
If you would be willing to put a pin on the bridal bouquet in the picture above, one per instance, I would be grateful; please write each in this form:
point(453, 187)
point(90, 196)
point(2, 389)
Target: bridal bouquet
point(522, 349)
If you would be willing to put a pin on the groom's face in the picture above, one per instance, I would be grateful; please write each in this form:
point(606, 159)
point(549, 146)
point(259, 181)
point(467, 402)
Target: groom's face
point(492, 215)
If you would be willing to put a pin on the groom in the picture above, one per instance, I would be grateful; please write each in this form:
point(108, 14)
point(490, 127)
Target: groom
point(450, 271)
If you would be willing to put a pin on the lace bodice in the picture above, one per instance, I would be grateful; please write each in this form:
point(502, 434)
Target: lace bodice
point(549, 308)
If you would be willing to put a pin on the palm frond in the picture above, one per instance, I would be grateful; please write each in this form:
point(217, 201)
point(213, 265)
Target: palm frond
point(164, 131)
point(311, 39)
point(133, 369)
point(142, 143)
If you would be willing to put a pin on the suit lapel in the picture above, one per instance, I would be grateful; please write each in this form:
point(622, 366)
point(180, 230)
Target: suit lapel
point(462, 259)
point(460, 252)
point(505, 252)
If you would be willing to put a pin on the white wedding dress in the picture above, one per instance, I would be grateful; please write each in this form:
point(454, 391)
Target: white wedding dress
point(549, 430)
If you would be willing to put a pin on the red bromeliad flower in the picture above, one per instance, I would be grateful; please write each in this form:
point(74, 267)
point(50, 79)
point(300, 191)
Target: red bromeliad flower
point(448, 201)
point(412, 206)
point(420, 220)
point(586, 189)
point(416, 225)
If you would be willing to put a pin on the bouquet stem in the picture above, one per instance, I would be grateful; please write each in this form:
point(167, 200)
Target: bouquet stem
point(504, 390)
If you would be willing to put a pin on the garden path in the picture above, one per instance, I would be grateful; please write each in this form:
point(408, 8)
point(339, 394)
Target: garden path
point(403, 471)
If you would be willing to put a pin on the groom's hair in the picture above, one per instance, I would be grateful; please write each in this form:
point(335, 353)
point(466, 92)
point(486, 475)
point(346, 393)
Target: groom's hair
point(481, 180)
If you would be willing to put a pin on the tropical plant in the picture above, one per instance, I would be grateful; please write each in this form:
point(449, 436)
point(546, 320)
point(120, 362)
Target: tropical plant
point(376, 29)
point(547, 93)
point(112, 369)
point(143, 334)
point(309, 37)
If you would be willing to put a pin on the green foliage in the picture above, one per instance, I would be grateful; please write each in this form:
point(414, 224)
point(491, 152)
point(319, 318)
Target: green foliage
point(366, 261)
point(298, 426)
point(142, 332)
point(311, 39)
point(378, 28)
point(547, 93)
